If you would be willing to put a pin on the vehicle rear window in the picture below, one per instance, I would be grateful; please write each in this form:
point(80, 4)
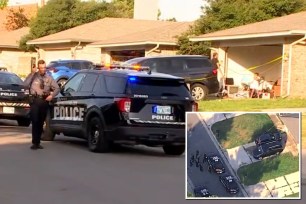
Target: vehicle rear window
point(158, 87)
point(10, 79)
point(195, 63)
point(115, 84)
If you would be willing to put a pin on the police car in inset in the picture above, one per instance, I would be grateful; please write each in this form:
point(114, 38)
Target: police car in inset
point(127, 105)
point(201, 191)
point(229, 183)
point(14, 99)
point(215, 163)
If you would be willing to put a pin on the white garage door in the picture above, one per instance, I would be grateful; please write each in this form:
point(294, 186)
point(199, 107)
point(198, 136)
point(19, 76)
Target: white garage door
point(51, 55)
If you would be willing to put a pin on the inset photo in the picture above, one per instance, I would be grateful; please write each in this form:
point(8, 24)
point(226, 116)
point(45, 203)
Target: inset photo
point(243, 155)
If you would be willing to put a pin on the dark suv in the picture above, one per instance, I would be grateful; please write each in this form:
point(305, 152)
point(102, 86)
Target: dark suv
point(62, 70)
point(14, 99)
point(196, 70)
point(268, 149)
point(122, 106)
point(269, 137)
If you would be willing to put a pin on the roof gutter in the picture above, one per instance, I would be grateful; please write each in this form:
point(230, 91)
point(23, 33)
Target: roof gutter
point(290, 62)
point(246, 36)
point(130, 44)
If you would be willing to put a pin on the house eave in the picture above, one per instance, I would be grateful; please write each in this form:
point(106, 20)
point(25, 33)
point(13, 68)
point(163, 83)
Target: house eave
point(46, 42)
point(248, 36)
point(130, 44)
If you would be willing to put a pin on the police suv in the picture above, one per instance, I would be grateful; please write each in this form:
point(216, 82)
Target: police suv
point(123, 105)
point(14, 99)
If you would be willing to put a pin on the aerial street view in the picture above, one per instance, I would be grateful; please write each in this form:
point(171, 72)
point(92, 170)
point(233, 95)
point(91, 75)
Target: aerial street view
point(243, 155)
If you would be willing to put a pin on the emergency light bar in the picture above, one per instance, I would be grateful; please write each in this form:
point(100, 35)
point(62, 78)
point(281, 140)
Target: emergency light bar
point(128, 67)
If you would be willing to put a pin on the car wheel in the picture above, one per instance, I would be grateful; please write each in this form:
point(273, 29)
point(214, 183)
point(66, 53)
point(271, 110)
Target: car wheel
point(198, 92)
point(62, 82)
point(174, 149)
point(24, 122)
point(96, 136)
point(48, 134)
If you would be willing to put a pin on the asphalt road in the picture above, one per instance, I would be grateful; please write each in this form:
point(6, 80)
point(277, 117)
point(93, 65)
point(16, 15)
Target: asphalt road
point(200, 140)
point(66, 172)
point(292, 123)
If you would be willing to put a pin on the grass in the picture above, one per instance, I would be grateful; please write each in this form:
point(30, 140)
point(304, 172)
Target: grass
point(293, 195)
point(249, 104)
point(242, 129)
point(269, 168)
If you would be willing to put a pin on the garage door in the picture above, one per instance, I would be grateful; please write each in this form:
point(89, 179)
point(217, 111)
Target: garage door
point(51, 55)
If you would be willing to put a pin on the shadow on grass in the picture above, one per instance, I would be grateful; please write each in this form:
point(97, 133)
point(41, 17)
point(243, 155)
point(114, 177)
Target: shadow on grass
point(242, 129)
point(252, 174)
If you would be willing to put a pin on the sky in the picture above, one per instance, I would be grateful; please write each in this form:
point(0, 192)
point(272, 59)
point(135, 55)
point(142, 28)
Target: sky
point(181, 10)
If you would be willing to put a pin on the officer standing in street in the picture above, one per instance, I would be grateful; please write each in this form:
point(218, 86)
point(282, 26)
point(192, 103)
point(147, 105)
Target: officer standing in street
point(42, 89)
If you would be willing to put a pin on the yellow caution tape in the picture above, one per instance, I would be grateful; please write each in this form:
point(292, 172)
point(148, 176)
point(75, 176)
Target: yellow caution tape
point(274, 60)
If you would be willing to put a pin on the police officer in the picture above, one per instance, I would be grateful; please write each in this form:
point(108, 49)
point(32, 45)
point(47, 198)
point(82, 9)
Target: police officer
point(43, 89)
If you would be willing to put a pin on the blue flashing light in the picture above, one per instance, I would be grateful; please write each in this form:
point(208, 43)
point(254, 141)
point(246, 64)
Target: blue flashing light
point(132, 79)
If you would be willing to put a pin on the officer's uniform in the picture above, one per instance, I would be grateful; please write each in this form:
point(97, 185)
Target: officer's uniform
point(40, 88)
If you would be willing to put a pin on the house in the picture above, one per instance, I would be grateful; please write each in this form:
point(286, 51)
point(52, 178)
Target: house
point(275, 48)
point(11, 56)
point(111, 39)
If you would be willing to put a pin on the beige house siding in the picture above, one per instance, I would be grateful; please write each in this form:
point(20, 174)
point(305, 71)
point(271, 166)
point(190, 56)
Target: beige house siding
point(88, 53)
point(17, 61)
point(161, 50)
point(298, 74)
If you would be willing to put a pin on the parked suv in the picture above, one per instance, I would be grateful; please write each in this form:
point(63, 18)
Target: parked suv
point(196, 70)
point(269, 137)
point(268, 149)
point(14, 99)
point(62, 70)
point(122, 106)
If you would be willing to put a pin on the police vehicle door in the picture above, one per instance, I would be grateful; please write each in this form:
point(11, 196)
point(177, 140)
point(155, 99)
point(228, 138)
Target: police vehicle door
point(68, 112)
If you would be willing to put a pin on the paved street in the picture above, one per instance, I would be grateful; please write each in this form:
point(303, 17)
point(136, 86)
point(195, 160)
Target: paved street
point(200, 140)
point(292, 123)
point(66, 172)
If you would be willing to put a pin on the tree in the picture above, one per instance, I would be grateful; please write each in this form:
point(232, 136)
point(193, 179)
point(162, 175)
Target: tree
point(59, 15)
point(121, 8)
point(3, 4)
point(16, 19)
point(224, 14)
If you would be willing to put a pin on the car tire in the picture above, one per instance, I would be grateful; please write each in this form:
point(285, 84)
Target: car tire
point(174, 149)
point(96, 136)
point(198, 92)
point(24, 122)
point(48, 134)
point(62, 82)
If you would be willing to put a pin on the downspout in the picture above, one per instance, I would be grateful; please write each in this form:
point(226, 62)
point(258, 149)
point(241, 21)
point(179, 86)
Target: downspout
point(38, 53)
point(153, 49)
point(74, 49)
point(290, 61)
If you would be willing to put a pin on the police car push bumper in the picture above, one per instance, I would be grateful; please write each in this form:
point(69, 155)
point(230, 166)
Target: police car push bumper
point(153, 135)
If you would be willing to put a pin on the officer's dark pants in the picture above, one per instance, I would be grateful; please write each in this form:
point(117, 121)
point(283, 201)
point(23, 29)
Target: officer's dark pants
point(39, 109)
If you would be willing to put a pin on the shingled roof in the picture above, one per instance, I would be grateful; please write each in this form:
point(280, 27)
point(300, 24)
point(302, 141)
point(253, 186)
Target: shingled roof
point(293, 24)
point(11, 39)
point(114, 28)
point(165, 34)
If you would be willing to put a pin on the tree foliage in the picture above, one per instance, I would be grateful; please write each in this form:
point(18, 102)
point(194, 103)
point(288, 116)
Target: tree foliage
point(59, 15)
point(3, 4)
point(224, 14)
point(16, 19)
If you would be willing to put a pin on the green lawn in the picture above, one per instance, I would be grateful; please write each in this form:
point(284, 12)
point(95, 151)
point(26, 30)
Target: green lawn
point(268, 169)
point(242, 129)
point(293, 195)
point(249, 104)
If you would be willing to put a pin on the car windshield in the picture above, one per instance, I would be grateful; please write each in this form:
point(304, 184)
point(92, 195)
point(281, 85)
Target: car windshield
point(10, 79)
